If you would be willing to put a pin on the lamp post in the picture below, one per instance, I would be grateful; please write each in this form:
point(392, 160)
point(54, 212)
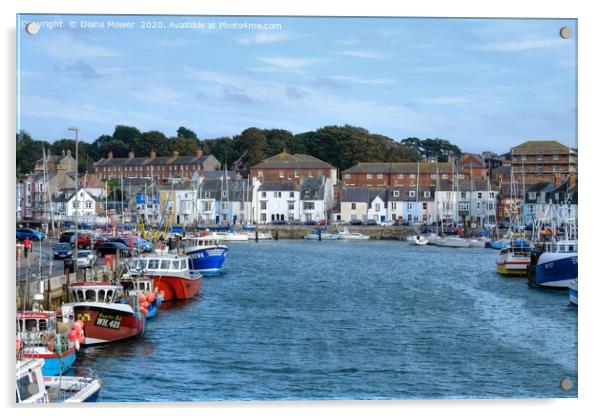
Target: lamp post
point(76, 130)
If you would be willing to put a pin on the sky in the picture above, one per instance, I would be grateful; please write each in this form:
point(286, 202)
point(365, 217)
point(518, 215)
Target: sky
point(483, 84)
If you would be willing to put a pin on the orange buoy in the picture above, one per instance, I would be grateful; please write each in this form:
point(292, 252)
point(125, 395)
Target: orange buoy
point(142, 298)
point(73, 335)
point(151, 297)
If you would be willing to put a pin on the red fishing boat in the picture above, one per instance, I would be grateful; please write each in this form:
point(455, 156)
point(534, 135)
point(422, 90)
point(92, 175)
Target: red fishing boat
point(170, 273)
point(107, 313)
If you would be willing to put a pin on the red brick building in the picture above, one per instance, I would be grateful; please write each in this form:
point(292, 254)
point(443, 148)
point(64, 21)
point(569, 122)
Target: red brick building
point(473, 165)
point(401, 174)
point(285, 167)
point(542, 160)
point(158, 168)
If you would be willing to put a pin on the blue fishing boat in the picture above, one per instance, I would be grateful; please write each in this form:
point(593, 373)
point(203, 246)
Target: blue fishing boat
point(573, 292)
point(42, 335)
point(205, 254)
point(557, 265)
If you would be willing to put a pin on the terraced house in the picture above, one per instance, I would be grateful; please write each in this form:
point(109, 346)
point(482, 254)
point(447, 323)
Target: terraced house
point(400, 174)
point(542, 160)
point(285, 167)
point(161, 168)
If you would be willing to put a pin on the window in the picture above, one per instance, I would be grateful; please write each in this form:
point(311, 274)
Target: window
point(463, 206)
point(263, 194)
point(412, 194)
point(165, 264)
point(353, 206)
point(224, 206)
point(281, 174)
point(460, 176)
point(309, 174)
point(556, 168)
point(88, 205)
point(207, 194)
point(478, 205)
point(393, 205)
point(347, 176)
point(540, 169)
point(291, 205)
point(377, 207)
point(368, 176)
point(400, 176)
point(523, 158)
point(260, 174)
point(263, 205)
point(492, 195)
point(224, 194)
point(427, 194)
point(291, 194)
point(412, 176)
point(444, 176)
point(479, 195)
point(433, 176)
point(263, 218)
point(395, 193)
point(207, 206)
point(296, 173)
point(532, 195)
point(424, 205)
point(556, 157)
point(277, 194)
point(539, 157)
point(306, 205)
point(379, 176)
point(182, 264)
point(410, 206)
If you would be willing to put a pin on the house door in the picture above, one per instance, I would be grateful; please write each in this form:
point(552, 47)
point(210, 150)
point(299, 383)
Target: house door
point(382, 218)
point(234, 217)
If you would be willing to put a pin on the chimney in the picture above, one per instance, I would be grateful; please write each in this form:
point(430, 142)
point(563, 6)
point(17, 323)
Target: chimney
point(110, 155)
point(63, 152)
point(131, 154)
point(199, 153)
point(153, 154)
point(68, 152)
point(175, 153)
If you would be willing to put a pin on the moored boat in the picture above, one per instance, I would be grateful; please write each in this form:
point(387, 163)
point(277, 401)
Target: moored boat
point(557, 265)
point(33, 387)
point(417, 240)
point(108, 314)
point(455, 242)
point(150, 297)
point(321, 235)
point(345, 234)
point(170, 273)
point(480, 242)
point(42, 335)
point(514, 260)
point(206, 254)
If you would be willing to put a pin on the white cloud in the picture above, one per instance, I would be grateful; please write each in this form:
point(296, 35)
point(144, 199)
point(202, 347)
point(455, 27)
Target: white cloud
point(260, 38)
point(364, 54)
point(66, 47)
point(289, 63)
point(519, 45)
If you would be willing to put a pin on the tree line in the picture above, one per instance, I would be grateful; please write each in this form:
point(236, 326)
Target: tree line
point(341, 146)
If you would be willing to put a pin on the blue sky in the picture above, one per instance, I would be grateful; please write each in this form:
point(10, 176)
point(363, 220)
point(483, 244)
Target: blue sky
point(483, 84)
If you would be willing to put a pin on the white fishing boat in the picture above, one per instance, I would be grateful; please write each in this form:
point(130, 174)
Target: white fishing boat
point(514, 260)
point(321, 235)
point(33, 387)
point(417, 240)
point(345, 234)
point(231, 236)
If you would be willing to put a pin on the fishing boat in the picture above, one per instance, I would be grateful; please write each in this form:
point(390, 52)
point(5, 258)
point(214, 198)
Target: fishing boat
point(149, 296)
point(500, 244)
point(42, 335)
point(108, 314)
point(480, 242)
point(417, 240)
point(515, 259)
point(345, 234)
point(456, 242)
point(206, 254)
point(573, 292)
point(557, 266)
point(229, 236)
point(170, 274)
point(33, 387)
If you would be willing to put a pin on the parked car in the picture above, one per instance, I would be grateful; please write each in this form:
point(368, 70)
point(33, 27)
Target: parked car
point(62, 251)
point(112, 247)
point(387, 223)
point(278, 222)
point(295, 222)
point(138, 247)
point(83, 241)
point(85, 259)
point(310, 222)
point(355, 222)
point(23, 233)
point(323, 222)
point(67, 237)
point(99, 241)
point(370, 222)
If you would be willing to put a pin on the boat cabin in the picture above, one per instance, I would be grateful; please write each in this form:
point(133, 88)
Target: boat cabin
point(199, 242)
point(30, 325)
point(133, 286)
point(95, 292)
point(30, 382)
point(562, 246)
point(160, 265)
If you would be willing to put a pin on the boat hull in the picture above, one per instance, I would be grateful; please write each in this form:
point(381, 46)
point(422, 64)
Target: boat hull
point(556, 269)
point(573, 292)
point(513, 265)
point(177, 288)
point(54, 363)
point(207, 260)
point(103, 324)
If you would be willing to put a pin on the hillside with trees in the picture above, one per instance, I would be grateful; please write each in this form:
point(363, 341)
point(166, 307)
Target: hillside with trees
point(341, 146)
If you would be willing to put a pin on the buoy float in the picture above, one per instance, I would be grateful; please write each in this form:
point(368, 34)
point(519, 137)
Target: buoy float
point(73, 335)
point(151, 297)
point(142, 299)
point(76, 344)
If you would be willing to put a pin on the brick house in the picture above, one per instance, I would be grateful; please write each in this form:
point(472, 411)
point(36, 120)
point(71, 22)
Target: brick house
point(542, 160)
point(285, 167)
point(400, 174)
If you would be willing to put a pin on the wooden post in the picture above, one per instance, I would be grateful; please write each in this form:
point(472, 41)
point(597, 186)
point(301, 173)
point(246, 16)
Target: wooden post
point(48, 291)
point(256, 234)
point(319, 234)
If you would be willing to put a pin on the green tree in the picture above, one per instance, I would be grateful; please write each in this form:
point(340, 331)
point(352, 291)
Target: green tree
point(129, 135)
point(223, 149)
point(184, 146)
point(186, 133)
point(153, 140)
point(252, 146)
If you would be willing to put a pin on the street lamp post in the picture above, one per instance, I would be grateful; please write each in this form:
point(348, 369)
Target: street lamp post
point(76, 130)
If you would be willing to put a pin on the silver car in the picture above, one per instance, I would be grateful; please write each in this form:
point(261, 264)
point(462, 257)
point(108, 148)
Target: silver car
point(85, 259)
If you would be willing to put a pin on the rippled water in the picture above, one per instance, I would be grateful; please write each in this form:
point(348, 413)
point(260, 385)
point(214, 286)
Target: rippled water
point(349, 320)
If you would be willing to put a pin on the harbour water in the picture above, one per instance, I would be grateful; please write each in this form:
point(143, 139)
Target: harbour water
point(300, 320)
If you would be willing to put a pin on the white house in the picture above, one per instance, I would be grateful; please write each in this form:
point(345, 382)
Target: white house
point(317, 198)
point(277, 201)
point(224, 201)
point(377, 207)
point(65, 204)
point(364, 203)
